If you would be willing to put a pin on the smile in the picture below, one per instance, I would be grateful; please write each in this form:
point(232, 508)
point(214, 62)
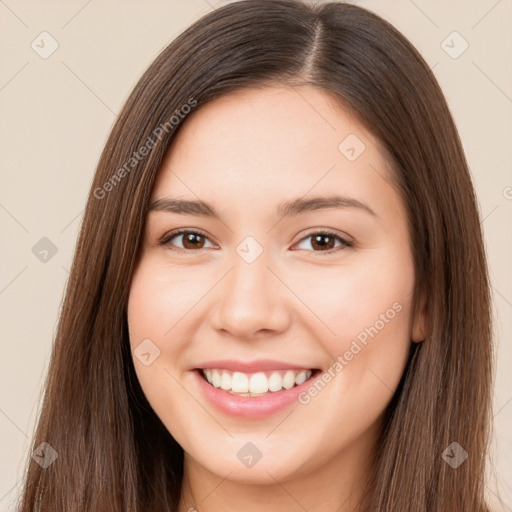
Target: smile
point(253, 394)
point(255, 384)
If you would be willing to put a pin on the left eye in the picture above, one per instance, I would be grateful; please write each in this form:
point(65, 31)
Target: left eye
point(325, 241)
point(320, 241)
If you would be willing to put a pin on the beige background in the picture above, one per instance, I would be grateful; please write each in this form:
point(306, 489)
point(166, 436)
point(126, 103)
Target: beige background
point(57, 112)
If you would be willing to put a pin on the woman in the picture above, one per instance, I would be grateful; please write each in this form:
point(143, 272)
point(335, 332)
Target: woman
point(208, 356)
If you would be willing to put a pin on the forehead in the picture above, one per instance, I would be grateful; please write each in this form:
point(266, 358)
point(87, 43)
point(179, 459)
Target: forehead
point(272, 143)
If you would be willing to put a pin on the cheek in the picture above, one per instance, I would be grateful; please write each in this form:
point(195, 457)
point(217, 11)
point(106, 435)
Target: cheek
point(366, 315)
point(163, 304)
point(158, 301)
point(368, 308)
point(152, 312)
point(351, 298)
point(156, 305)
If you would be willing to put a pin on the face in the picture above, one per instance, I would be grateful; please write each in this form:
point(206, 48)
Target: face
point(275, 250)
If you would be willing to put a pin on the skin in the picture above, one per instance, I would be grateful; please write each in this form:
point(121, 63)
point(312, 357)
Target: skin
point(244, 154)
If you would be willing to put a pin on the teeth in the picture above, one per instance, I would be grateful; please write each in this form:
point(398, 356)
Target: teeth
point(255, 384)
point(225, 381)
point(289, 380)
point(258, 383)
point(239, 383)
point(215, 378)
point(275, 382)
point(301, 377)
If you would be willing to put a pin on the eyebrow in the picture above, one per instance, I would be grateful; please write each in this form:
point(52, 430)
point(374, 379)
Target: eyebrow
point(287, 209)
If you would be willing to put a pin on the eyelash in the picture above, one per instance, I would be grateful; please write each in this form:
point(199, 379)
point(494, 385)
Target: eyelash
point(165, 240)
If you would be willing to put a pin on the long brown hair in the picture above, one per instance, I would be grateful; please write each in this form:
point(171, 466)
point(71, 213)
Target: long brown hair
point(114, 454)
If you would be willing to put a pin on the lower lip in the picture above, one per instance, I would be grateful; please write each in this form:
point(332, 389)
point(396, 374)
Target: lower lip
point(251, 407)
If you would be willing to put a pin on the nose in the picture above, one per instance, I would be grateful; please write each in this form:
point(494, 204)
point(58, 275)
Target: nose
point(251, 301)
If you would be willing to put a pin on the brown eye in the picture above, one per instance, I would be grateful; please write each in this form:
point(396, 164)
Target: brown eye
point(324, 242)
point(193, 241)
point(190, 240)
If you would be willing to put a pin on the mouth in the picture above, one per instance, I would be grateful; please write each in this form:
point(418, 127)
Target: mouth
point(255, 384)
point(253, 394)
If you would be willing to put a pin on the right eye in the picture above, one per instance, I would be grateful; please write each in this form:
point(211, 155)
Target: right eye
point(190, 240)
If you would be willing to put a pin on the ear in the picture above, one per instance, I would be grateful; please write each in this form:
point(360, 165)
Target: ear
point(419, 328)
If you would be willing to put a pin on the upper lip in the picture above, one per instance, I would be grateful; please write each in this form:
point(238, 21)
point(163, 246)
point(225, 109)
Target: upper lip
point(258, 365)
